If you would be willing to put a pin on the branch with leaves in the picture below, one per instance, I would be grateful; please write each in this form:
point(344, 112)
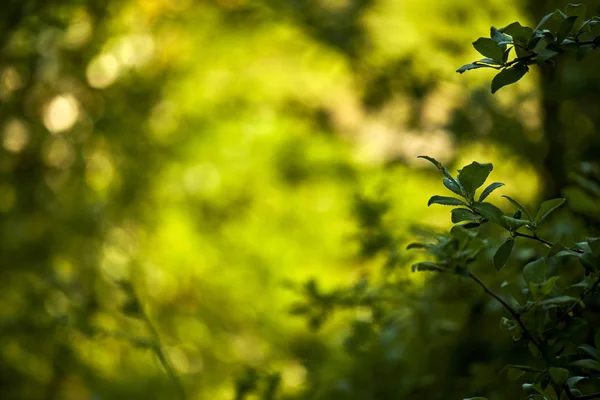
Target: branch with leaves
point(572, 34)
point(538, 318)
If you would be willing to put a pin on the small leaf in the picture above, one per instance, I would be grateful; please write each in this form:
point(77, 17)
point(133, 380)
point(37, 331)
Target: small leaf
point(461, 214)
point(557, 248)
point(546, 208)
point(514, 374)
point(565, 28)
point(519, 33)
point(519, 207)
point(540, 290)
point(427, 266)
point(499, 37)
point(439, 166)
point(468, 67)
point(473, 176)
point(535, 271)
point(514, 223)
point(446, 201)
point(574, 380)
point(547, 18)
point(491, 187)
point(491, 213)
point(503, 253)
point(418, 246)
point(577, 10)
point(508, 76)
point(590, 351)
point(453, 186)
point(545, 55)
point(558, 375)
point(488, 48)
point(476, 398)
point(559, 301)
point(589, 364)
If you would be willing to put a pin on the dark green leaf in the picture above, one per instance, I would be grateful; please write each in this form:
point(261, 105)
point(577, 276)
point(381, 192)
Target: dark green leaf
point(503, 253)
point(547, 18)
point(559, 301)
point(541, 290)
point(468, 67)
point(488, 48)
point(508, 76)
point(446, 201)
point(453, 186)
point(558, 375)
point(535, 271)
point(514, 223)
point(440, 167)
point(519, 207)
point(427, 266)
point(565, 28)
point(574, 380)
point(491, 213)
point(546, 208)
point(545, 55)
point(519, 33)
point(576, 10)
point(473, 176)
point(499, 37)
point(461, 214)
point(491, 187)
point(418, 246)
point(589, 364)
point(590, 351)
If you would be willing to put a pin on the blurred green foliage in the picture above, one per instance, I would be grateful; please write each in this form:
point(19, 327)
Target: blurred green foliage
point(177, 176)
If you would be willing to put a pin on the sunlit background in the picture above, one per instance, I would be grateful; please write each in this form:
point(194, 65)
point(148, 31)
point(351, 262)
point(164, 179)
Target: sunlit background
point(201, 160)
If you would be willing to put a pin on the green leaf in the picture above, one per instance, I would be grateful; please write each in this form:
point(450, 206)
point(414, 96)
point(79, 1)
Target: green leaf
point(514, 224)
point(565, 28)
point(473, 176)
point(519, 207)
point(439, 166)
point(594, 244)
point(508, 76)
point(427, 266)
point(559, 301)
point(546, 208)
point(545, 55)
point(453, 186)
point(574, 380)
point(503, 253)
point(547, 18)
point(576, 10)
point(558, 375)
point(588, 364)
point(468, 67)
point(521, 34)
point(499, 37)
point(541, 290)
point(590, 351)
point(476, 398)
point(535, 271)
point(461, 214)
point(446, 201)
point(418, 246)
point(488, 190)
point(491, 213)
point(488, 48)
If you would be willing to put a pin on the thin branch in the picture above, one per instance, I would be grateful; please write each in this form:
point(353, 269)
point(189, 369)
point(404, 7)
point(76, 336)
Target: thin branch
point(159, 351)
point(536, 238)
point(510, 309)
point(588, 396)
